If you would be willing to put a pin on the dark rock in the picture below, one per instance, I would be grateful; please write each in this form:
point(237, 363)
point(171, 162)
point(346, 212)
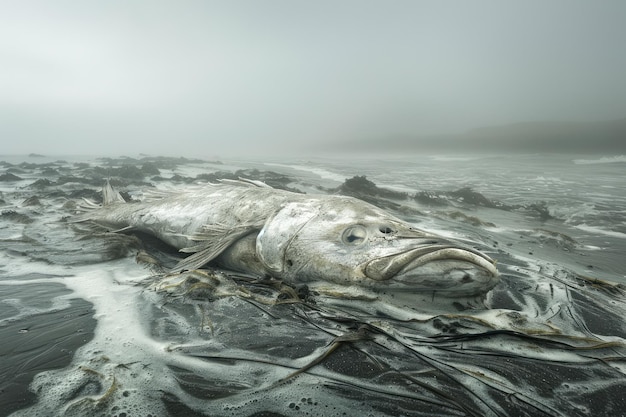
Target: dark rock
point(431, 198)
point(540, 209)
point(150, 168)
point(359, 186)
point(41, 183)
point(271, 178)
point(129, 172)
point(474, 221)
point(31, 201)
point(469, 196)
point(8, 177)
point(12, 215)
point(88, 194)
point(364, 189)
point(552, 238)
point(50, 172)
point(28, 166)
point(216, 176)
point(181, 178)
point(80, 180)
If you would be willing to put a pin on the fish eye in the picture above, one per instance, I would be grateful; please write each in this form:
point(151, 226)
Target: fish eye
point(386, 230)
point(354, 235)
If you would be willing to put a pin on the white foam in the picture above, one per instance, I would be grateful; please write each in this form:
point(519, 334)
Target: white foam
point(126, 367)
point(603, 160)
point(120, 338)
point(446, 158)
point(600, 231)
point(24, 310)
point(592, 247)
point(320, 172)
point(542, 179)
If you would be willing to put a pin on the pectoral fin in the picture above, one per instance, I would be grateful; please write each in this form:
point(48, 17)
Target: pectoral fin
point(212, 241)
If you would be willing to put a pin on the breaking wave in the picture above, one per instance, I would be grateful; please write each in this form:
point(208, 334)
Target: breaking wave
point(599, 230)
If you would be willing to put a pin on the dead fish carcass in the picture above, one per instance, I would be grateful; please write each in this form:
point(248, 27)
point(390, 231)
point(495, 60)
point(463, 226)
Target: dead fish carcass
point(250, 227)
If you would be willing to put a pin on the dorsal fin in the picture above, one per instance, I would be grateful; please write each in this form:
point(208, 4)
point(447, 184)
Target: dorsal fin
point(110, 195)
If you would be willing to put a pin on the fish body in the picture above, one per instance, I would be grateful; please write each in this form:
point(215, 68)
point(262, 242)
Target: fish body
point(249, 227)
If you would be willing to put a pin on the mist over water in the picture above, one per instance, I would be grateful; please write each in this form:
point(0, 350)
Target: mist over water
point(220, 79)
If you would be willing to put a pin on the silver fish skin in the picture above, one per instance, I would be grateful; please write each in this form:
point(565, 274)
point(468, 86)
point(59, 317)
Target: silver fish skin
point(249, 227)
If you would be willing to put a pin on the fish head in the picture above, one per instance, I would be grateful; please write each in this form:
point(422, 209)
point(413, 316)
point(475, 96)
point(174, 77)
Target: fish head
point(350, 242)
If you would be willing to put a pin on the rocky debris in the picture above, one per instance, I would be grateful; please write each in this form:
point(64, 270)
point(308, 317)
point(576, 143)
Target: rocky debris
point(469, 196)
point(362, 188)
point(14, 216)
point(8, 177)
point(271, 178)
point(181, 179)
point(216, 176)
point(462, 217)
point(31, 201)
point(95, 182)
point(87, 194)
point(150, 168)
point(431, 198)
point(124, 172)
point(466, 196)
point(360, 185)
point(161, 162)
point(50, 172)
point(551, 238)
point(539, 209)
point(131, 172)
point(42, 183)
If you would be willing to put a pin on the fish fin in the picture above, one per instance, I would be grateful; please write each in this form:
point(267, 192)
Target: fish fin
point(148, 196)
point(155, 195)
point(110, 195)
point(200, 258)
point(87, 208)
point(255, 182)
point(124, 229)
point(152, 195)
point(213, 240)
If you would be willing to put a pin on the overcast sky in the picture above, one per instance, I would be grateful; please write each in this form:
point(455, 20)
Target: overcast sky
point(205, 78)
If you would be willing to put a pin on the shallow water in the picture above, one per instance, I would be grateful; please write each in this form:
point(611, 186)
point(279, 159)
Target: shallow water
point(88, 331)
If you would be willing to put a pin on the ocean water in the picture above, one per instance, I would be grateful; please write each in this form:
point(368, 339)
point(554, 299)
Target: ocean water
point(86, 330)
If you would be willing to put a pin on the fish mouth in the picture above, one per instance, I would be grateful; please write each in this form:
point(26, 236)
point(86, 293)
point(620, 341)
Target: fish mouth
point(449, 270)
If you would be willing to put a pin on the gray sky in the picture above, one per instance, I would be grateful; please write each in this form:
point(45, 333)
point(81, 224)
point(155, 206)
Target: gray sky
point(205, 78)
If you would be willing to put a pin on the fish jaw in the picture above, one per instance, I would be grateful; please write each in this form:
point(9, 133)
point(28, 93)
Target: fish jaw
point(447, 270)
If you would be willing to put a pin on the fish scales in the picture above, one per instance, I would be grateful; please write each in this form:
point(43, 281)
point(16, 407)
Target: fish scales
point(249, 227)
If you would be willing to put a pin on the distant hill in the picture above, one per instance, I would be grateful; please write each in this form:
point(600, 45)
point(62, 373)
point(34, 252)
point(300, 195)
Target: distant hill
point(568, 137)
point(530, 137)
